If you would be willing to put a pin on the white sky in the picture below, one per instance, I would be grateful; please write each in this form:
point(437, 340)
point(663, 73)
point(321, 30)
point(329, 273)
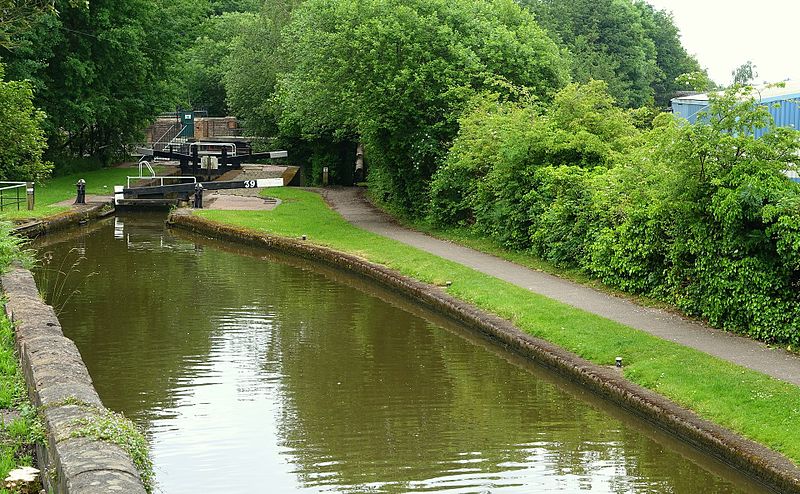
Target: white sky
point(725, 34)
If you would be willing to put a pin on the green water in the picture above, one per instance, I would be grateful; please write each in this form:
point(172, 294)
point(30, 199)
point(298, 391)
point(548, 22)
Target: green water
point(251, 372)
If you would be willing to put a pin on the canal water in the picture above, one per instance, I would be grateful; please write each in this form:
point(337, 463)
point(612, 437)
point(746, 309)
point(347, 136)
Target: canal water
point(252, 372)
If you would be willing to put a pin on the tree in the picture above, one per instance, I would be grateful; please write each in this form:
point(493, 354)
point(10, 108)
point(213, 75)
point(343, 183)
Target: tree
point(396, 76)
point(205, 61)
point(17, 16)
point(744, 74)
point(672, 60)
point(635, 48)
point(103, 71)
point(253, 65)
point(607, 41)
point(506, 162)
point(695, 81)
point(22, 141)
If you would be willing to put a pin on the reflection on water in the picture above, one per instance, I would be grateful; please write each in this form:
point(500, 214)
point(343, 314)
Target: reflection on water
point(253, 373)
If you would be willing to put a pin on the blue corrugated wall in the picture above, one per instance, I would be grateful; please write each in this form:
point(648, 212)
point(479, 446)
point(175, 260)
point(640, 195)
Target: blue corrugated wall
point(786, 111)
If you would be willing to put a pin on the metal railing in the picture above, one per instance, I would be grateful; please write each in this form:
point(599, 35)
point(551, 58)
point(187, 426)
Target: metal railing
point(15, 194)
point(146, 164)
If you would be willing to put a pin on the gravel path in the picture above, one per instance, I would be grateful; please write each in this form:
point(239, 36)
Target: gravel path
point(350, 203)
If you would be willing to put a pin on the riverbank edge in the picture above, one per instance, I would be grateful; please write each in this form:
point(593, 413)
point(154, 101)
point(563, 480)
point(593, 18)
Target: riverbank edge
point(60, 387)
point(66, 219)
point(768, 466)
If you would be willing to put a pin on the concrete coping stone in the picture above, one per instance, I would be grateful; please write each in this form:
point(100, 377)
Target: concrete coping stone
point(59, 383)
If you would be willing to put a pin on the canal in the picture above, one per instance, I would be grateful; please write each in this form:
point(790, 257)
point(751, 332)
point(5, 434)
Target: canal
point(252, 372)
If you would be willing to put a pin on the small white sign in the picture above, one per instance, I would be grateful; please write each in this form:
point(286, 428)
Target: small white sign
point(269, 182)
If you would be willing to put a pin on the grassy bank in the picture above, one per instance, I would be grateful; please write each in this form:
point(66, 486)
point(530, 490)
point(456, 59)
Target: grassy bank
point(755, 405)
point(55, 190)
point(18, 435)
point(21, 427)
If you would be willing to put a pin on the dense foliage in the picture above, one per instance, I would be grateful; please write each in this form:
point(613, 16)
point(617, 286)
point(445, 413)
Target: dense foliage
point(396, 75)
point(630, 45)
point(22, 140)
point(204, 64)
point(701, 216)
point(101, 70)
point(254, 64)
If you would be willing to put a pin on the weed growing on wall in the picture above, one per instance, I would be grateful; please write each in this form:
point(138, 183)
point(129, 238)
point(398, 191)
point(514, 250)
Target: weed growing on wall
point(116, 428)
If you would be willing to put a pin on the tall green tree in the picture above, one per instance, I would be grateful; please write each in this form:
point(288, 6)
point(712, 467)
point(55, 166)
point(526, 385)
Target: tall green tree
point(256, 59)
point(672, 60)
point(17, 16)
point(396, 76)
point(635, 48)
point(607, 41)
point(22, 140)
point(102, 70)
point(205, 61)
point(744, 74)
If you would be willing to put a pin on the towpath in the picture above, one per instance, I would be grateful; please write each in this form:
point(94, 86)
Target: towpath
point(778, 363)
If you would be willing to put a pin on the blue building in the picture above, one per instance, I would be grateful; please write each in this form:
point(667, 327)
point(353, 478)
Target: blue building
point(783, 104)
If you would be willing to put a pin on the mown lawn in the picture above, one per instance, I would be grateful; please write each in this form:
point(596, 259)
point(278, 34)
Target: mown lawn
point(753, 404)
point(55, 190)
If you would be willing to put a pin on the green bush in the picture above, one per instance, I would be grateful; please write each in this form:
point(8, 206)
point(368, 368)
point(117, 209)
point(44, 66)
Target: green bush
point(701, 216)
point(490, 176)
point(397, 75)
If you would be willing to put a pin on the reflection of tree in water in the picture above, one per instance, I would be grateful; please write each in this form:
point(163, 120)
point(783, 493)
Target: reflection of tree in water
point(375, 395)
point(371, 395)
point(134, 321)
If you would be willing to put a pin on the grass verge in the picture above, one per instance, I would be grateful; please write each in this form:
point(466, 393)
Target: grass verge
point(54, 190)
point(19, 435)
point(756, 406)
point(468, 238)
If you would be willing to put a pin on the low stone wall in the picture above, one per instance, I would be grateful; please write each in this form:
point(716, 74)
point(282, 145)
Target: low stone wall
point(747, 456)
point(59, 384)
point(64, 220)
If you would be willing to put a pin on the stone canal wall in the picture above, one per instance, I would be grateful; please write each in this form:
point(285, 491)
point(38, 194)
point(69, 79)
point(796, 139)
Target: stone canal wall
point(59, 384)
point(747, 456)
point(60, 221)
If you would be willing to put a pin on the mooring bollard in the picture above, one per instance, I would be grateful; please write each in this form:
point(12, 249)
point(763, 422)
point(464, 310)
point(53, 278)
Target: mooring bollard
point(198, 196)
point(81, 198)
point(31, 197)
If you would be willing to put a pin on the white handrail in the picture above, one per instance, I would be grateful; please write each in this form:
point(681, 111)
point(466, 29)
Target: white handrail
point(147, 164)
point(161, 178)
point(14, 185)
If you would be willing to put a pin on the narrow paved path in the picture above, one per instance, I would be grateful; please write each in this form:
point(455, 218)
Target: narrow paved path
point(349, 202)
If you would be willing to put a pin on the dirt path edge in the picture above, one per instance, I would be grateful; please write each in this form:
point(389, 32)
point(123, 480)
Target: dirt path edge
point(767, 466)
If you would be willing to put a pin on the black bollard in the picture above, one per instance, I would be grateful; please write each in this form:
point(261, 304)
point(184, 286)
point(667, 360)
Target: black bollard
point(81, 197)
point(198, 196)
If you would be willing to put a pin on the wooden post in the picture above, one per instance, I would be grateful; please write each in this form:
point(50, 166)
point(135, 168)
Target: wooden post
point(29, 189)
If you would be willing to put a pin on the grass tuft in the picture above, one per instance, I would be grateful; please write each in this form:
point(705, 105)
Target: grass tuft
point(116, 428)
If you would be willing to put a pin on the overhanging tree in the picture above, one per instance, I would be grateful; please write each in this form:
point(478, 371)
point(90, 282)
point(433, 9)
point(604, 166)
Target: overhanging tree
point(22, 141)
point(102, 70)
point(396, 75)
